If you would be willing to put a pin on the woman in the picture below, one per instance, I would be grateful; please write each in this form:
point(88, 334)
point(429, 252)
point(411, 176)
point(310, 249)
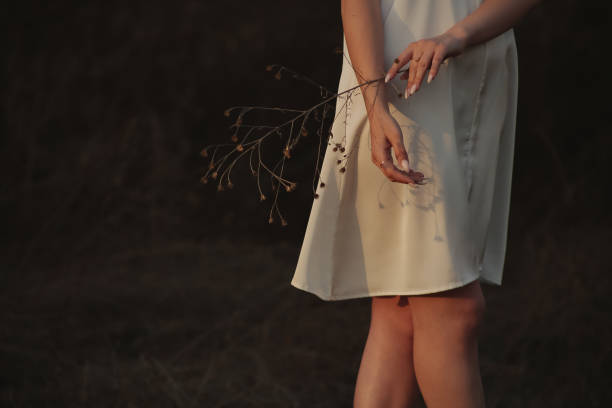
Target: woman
point(418, 243)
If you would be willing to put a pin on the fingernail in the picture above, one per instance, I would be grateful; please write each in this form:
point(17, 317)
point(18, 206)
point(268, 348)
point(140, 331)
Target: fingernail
point(412, 89)
point(406, 94)
point(429, 78)
point(405, 165)
point(387, 78)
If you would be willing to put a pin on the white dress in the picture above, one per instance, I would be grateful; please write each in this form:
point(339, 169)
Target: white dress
point(368, 236)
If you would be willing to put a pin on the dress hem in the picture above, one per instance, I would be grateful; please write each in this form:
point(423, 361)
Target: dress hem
point(453, 285)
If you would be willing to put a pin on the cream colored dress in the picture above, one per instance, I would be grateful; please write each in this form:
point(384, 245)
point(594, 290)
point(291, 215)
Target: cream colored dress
point(368, 236)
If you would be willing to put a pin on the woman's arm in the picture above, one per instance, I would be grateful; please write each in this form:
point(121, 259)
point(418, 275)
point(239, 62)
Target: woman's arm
point(490, 19)
point(363, 31)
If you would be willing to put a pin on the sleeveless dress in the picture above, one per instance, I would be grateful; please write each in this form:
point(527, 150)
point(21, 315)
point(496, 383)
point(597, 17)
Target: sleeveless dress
point(369, 236)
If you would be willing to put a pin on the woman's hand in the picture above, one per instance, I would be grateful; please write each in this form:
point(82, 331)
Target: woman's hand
point(386, 134)
point(427, 53)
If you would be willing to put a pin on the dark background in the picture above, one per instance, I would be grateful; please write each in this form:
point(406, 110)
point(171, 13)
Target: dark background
point(127, 282)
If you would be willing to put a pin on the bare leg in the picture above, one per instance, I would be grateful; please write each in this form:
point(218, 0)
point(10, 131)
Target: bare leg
point(446, 329)
point(386, 374)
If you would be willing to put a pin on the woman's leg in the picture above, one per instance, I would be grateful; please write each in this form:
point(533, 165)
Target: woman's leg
point(446, 329)
point(386, 374)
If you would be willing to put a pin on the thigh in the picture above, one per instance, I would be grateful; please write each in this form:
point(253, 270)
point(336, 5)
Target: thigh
point(460, 306)
point(394, 311)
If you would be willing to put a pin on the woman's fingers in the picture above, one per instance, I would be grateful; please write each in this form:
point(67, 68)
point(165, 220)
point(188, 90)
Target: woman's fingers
point(411, 76)
point(438, 58)
point(422, 55)
point(381, 156)
point(392, 172)
point(399, 62)
point(400, 151)
point(422, 66)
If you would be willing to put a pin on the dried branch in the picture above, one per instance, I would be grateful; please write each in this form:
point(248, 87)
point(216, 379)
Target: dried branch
point(248, 138)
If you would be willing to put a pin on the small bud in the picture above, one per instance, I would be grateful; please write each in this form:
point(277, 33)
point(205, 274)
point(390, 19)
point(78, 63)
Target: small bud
point(230, 184)
point(239, 121)
point(211, 165)
point(234, 138)
point(278, 75)
point(239, 147)
point(342, 149)
point(204, 153)
point(286, 152)
point(339, 161)
point(226, 113)
point(220, 187)
point(316, 195)
point(262, 197)
point(283, 222)
point(270, 220)
point(322, 184)
point(304, 132)
point(343, 169)
point(214, 175)
point(269, 67)
point(204, 180)
point(396, 61)
point(335, 149)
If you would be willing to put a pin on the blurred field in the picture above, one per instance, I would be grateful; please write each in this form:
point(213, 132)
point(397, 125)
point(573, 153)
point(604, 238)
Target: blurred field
point(127, 283)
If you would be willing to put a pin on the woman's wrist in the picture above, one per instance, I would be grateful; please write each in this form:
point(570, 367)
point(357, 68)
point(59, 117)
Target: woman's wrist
point(461, 35)
point(375, 98)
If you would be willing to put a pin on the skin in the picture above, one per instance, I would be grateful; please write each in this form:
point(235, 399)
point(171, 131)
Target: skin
point(425, 344)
